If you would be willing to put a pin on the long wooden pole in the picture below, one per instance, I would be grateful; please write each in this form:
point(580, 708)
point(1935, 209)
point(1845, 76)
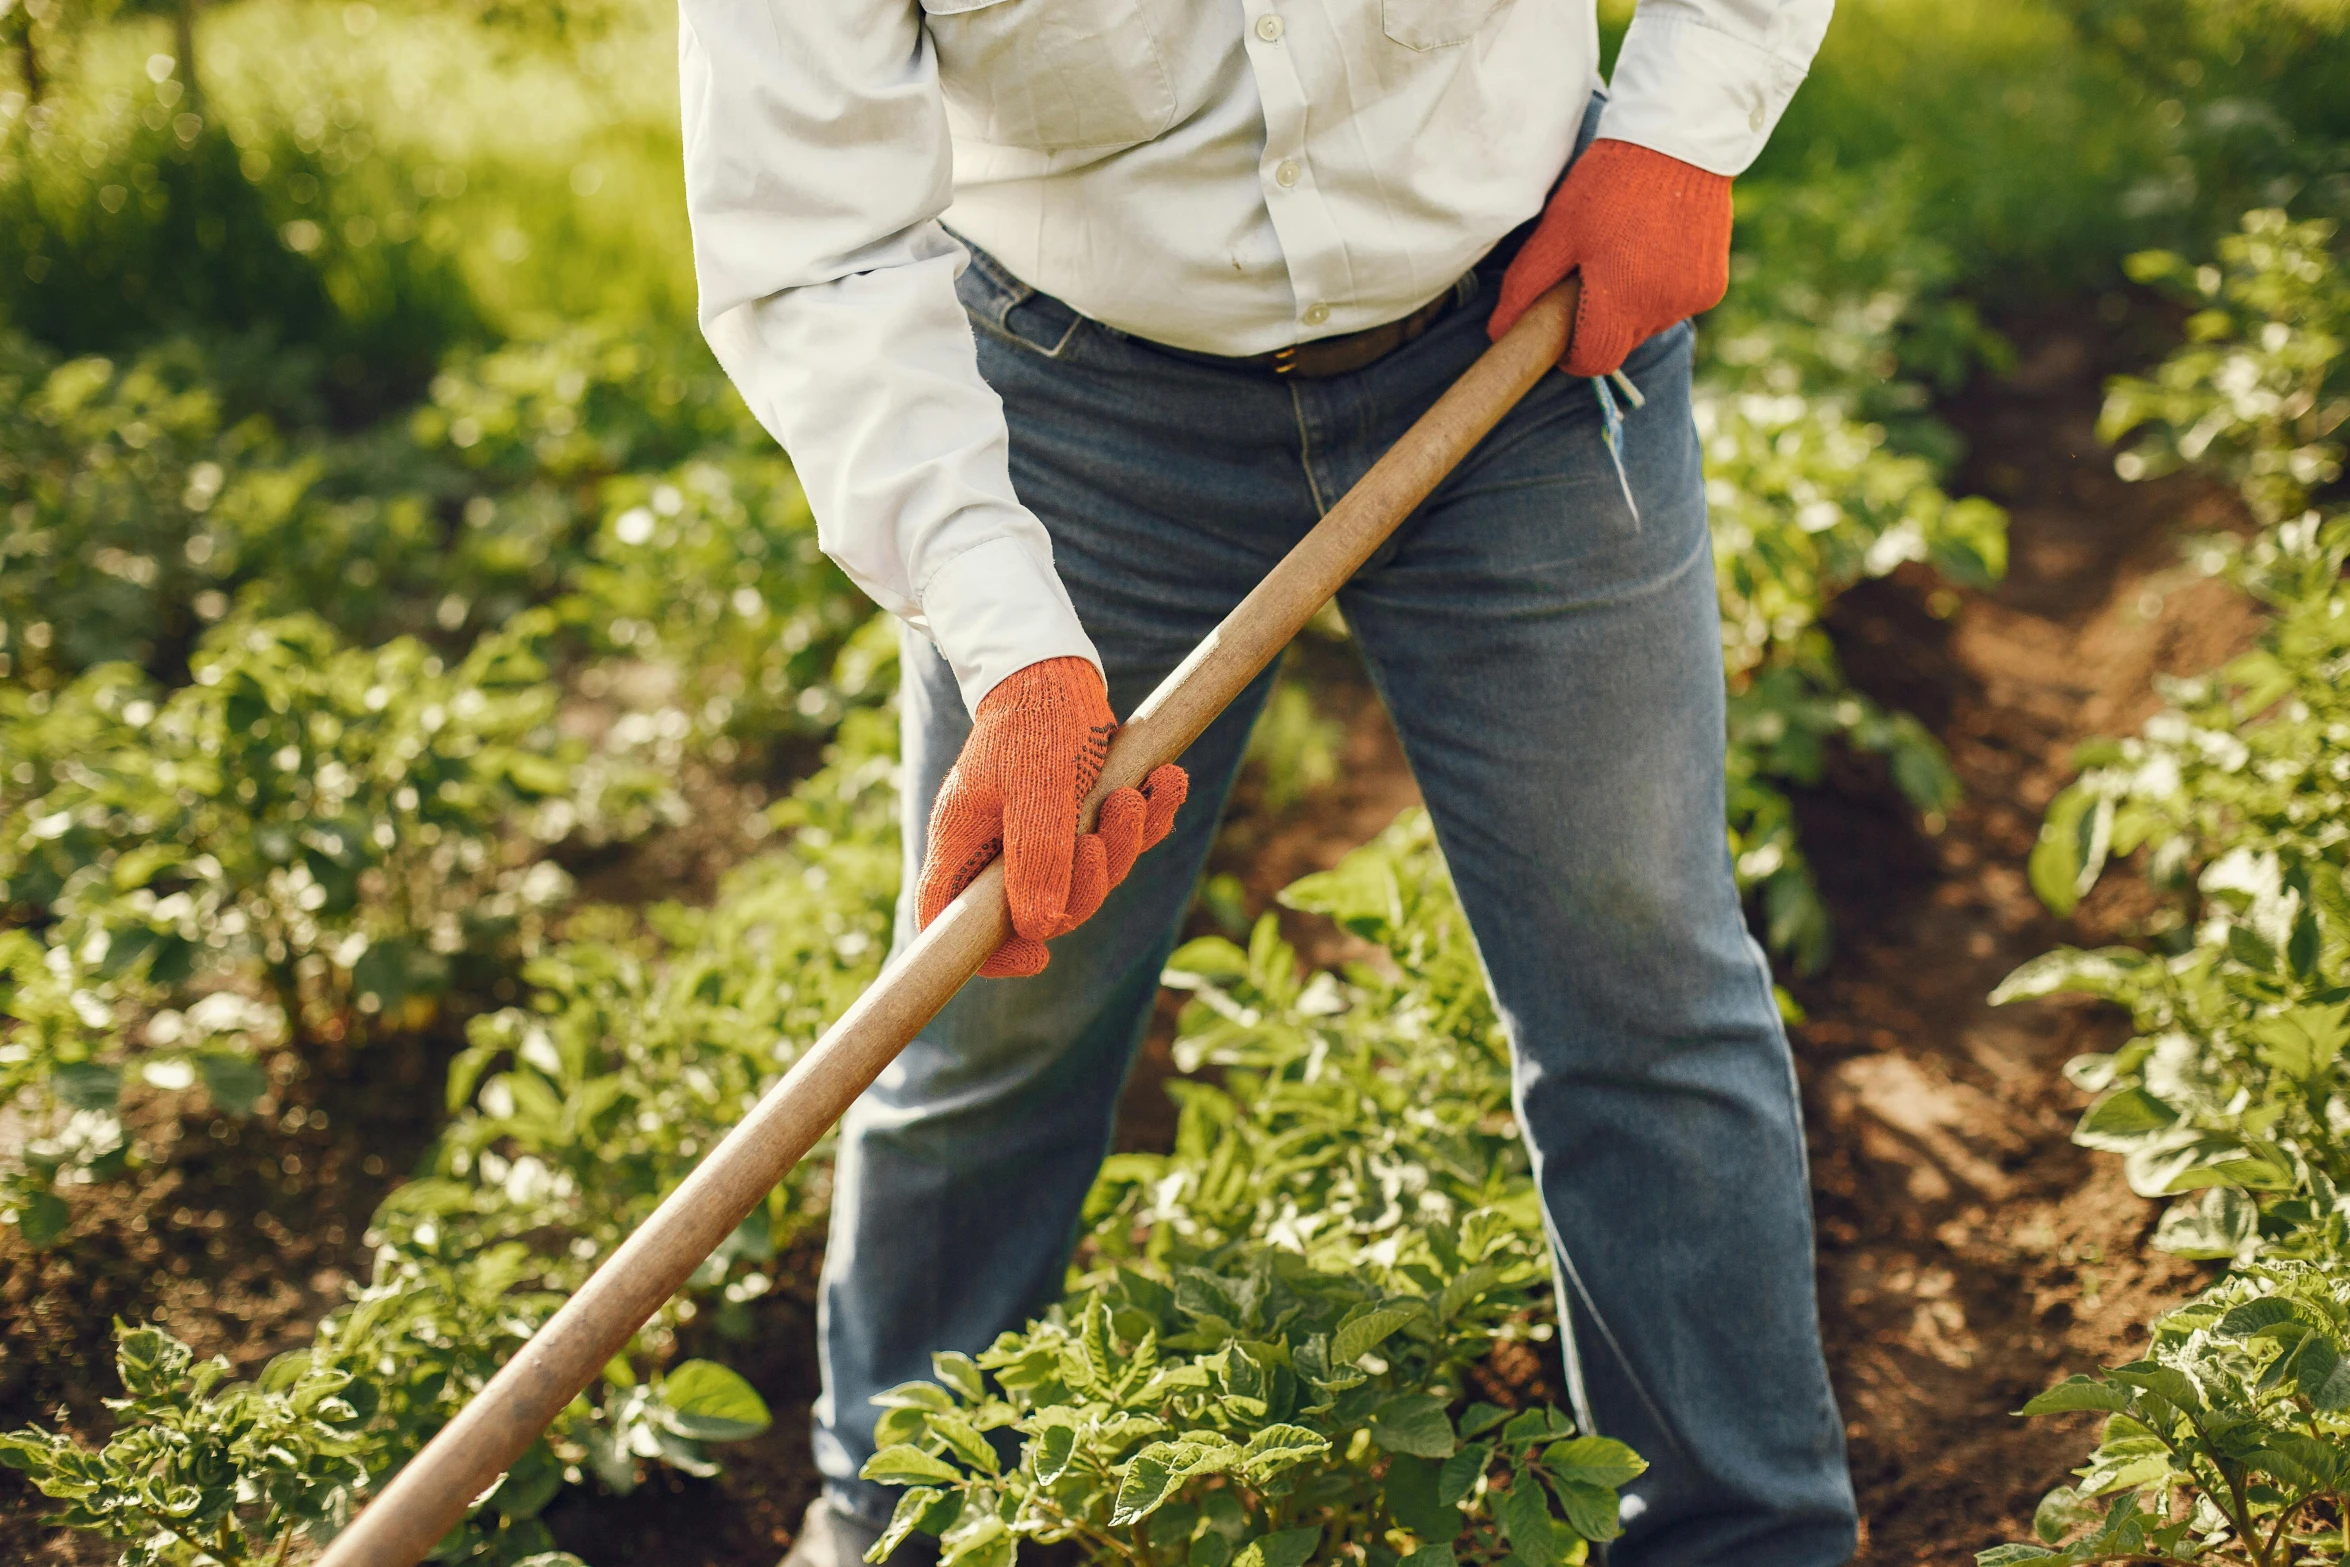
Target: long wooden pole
point(430, 1496)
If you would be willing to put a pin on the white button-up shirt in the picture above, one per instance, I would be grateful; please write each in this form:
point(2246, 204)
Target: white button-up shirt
point(1229, 176)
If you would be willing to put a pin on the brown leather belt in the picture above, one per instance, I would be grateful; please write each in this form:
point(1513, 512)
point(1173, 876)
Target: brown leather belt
point(1329, 356)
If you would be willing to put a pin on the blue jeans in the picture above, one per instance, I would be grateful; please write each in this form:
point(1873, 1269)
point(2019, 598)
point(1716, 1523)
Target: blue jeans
point(1552, 660)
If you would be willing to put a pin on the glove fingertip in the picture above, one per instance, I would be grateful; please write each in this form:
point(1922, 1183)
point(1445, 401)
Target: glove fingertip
point(1017, 958)
point(1165, 791)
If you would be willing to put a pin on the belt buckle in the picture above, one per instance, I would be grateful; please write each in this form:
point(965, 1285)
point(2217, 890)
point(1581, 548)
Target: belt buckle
point(1285, 359)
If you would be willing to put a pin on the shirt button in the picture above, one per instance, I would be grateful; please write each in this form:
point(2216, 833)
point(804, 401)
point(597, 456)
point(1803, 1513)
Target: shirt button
point(1286, 175)
point(1316, 314)
point(1754, 121)
point(1269, 29)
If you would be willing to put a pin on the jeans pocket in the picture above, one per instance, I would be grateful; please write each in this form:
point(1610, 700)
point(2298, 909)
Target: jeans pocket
point(1050, 74)
point(1003, 306)
point(1437, 24)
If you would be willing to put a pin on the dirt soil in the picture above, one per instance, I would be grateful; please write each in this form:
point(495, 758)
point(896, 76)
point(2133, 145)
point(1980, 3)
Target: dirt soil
point(1970, 1255)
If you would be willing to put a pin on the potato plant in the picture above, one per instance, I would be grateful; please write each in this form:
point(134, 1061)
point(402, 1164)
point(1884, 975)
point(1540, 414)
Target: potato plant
point(2261, 393)
point(307, 842)
point(201, 1471)
point(1349, 1110)
point(1821, 472)
point(642, 1044)
point(2249, 765)
point(2228, 1441)
point(1262, 1412)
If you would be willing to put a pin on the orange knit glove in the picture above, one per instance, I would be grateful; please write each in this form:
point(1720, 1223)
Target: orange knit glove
point(1036, 749)
point(1649, 233)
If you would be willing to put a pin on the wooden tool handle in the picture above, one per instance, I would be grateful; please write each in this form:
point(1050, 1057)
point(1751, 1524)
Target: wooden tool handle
point(429, 1496)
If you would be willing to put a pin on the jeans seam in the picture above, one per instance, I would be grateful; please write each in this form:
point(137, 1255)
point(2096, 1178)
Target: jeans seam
point(1305, 449)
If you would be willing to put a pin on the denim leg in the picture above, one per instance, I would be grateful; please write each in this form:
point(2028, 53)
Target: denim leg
point(1551, 653)
point(961, 1174)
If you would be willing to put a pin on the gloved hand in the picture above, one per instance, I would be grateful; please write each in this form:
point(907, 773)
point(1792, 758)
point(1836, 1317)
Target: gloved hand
point(1649, 233)
point(1036, 749)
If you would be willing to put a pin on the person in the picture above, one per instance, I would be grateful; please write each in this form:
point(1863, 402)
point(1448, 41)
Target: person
point(1073, 315)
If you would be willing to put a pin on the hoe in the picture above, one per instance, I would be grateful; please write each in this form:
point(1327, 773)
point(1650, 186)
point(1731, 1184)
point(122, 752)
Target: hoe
point(431, 1494)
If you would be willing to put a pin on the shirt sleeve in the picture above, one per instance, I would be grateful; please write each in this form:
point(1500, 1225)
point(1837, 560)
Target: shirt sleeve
point(1705, 81)
point(817, 162)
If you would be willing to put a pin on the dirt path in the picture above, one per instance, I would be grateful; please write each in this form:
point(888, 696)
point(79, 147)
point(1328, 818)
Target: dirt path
point(1970, 1255)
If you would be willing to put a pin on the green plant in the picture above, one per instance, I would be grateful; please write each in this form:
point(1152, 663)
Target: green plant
point(438, 1317)
point(202, 1471)
point(644, 1043)
point(1294, 749)
point(340, 820)
point(1821, 471)
point(2260, 393)
point(1262, 1412)
point(2228, 1441)
point(307, 843)
point(1350, 1109)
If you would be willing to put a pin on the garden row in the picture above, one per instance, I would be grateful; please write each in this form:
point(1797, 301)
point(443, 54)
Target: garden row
point(338, 629)
point(228, 845)
point(2229, 1439)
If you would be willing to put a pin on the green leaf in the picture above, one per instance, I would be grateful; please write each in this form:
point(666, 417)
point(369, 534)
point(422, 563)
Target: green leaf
point(2120, 1118)
point(1459, 1475)
point(86, 1085)
point(2324, 1375)
point(1413, 1424)
point(1367, 1327)
point(1480, 1418)
point(2254, 1315)
point(2211, 1227)
point(2079, 1392)
point(916, 1395)
point(42, 1218)
point(960, 1373)
point(966, 1442)
point(2248, 947)
point(985, 1542)
point(2071, 848)
point(1524, 1512)
point(2062, 1511)
point(1288, 1548)
point(912, 1508)
point(1413, 1499)
point(1279, 1447)
point(1436, 1554)
point(708, 1403)
point(1593, 1511)
point(2009, 1555)
point(1151, 1477)
point(1055, 1446)
point(2164, 1382)
point(1594, 1460)
point(234, 1082)
point(906, 1464)
point(2303, 1043)
point(1540, 1424)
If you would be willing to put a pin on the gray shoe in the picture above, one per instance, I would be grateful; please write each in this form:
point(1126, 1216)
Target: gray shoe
point(831, 1538)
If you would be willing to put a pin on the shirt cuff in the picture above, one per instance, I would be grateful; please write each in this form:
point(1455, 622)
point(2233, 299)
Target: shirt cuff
point(999, 607)
point(1695, 93)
